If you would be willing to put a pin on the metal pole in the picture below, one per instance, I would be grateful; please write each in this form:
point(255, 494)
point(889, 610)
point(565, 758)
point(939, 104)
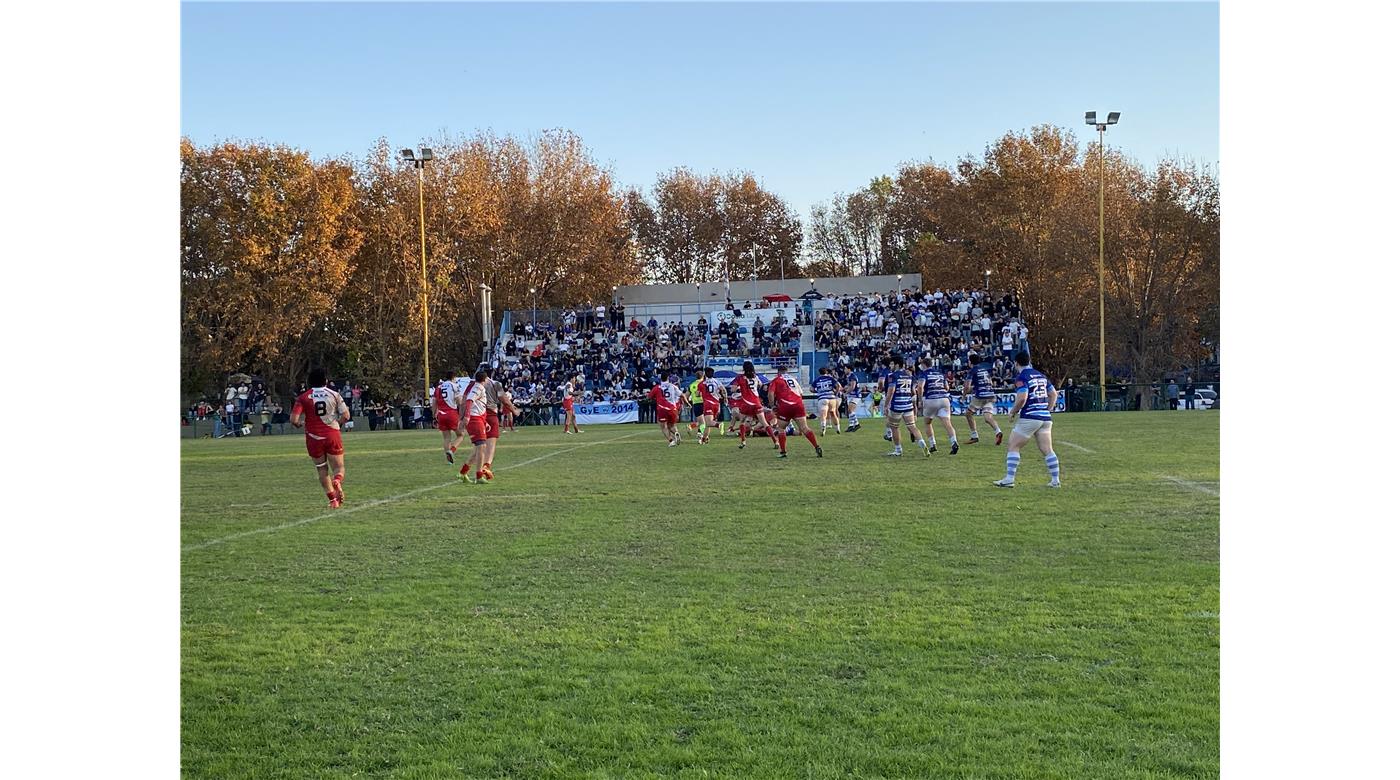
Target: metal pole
point(423, 241)
point(1103, 389)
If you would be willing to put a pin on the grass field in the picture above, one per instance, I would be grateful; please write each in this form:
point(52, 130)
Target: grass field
point(613, 608)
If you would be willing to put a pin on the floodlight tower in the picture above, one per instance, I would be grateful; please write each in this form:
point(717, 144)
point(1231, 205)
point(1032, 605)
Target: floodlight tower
point(1091, 118)
point(424, 156)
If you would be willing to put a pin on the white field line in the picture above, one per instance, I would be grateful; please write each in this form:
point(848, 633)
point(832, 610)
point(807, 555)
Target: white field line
point(389, 500)
point(1077, 447)
point(1192, 485)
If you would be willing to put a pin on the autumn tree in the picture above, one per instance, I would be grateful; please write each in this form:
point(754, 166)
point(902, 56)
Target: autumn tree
point(697, 228)
point(267, 238)
point(854, 233)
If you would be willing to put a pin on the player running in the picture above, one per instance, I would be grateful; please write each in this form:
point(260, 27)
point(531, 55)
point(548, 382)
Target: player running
point(828, 403)
point(1035, 397)
point(932, 386)
point(983, 398)
point(851, 397)
point(497, 404)
point(323, 411)
point(899, 407)
point(572, 386)
point(474, 409)
point(445, 400)
point(748, 405)
point(667, 396)
point(711, 393)
point(786, 394)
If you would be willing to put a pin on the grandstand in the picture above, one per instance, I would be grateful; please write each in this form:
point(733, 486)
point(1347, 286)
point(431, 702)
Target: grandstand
point(800, 325)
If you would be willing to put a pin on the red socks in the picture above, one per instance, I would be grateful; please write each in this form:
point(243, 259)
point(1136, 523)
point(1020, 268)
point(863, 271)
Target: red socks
point(782, 441)
point(812, 437)
point(743, 433)
point(465, 466)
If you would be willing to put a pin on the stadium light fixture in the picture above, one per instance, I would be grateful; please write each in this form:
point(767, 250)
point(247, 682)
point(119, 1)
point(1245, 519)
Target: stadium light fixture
point(533, 307)
point(424, 155)
point(987, 280)
point(1089, 117)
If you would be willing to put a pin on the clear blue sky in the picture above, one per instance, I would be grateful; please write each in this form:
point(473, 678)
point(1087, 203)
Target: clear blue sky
point(814, 99)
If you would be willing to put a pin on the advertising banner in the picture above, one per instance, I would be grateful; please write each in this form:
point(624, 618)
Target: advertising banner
point(605, 413)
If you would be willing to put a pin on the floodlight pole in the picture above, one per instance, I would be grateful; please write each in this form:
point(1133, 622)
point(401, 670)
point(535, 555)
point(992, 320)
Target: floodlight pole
point(420, 161)
point(1091, 118)
point(1103, 387)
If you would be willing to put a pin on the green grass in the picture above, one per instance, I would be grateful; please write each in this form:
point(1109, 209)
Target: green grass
point(628, 610)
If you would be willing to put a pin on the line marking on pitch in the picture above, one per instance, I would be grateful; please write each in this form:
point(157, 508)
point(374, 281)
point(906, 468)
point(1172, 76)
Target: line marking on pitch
point(1077, 447)
point(389, 500)
point(1192, 485)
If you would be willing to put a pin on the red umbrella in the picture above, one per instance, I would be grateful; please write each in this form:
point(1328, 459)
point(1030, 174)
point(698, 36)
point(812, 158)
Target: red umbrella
point(777, 298)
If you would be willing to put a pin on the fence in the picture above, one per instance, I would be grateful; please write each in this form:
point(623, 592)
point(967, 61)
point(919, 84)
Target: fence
point(1134, 397)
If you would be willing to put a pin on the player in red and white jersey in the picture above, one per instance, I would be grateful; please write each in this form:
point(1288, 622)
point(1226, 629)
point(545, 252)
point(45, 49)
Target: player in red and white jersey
point(323, 410)
point(445, 402)
point(570, 389)
point(473, 407)
point(711, 393)
point(751, 413)
point(786, 394)
point(667, 396)
point(497, 405)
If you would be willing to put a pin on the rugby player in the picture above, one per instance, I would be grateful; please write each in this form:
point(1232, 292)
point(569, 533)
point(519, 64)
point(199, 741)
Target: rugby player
point(828, 403)
point(899, 407)
point(851, 397)
point(932, 386)
point(749, 408)
point(569, 389)
point(473, 407)
point(711, 392)
point(983, 399)
point(786, 395)
point(323, 410)
point(1035, 397)
point(445, 398)
point(667, 396)
point(497, 404)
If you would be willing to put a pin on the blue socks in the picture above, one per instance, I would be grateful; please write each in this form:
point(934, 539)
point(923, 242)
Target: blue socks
point(1052, 462)
point(1013, 461)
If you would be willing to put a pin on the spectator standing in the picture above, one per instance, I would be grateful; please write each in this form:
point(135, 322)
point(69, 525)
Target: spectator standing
point(1190, 393)
point(1173, 394)
point(266, 416)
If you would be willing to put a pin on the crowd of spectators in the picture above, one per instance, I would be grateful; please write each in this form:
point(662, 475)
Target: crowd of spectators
point(615, 363)
point(861, 332)
point(618, 357)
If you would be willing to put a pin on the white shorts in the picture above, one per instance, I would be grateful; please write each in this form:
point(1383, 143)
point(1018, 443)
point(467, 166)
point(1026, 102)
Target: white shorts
point(980, 405)
point(893, 418)
point(937, 407)
point(1029, 428)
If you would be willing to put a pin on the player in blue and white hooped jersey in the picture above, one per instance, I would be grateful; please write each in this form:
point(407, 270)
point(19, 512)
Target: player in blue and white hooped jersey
point(931, 384)
point(850, 395)
point(1035, 397)
point(828, 402)
point(899, 407)
point(982, 396)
